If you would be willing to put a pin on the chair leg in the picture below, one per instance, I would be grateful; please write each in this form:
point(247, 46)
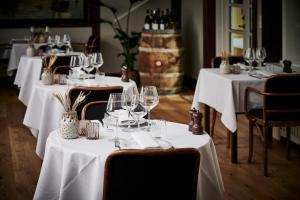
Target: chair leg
point(251, 123)
point(214, 117)
point(265, 144)
point(228, 138)
point(288, 135)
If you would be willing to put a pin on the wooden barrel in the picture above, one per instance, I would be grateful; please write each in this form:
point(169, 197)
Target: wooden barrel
point(160, 61)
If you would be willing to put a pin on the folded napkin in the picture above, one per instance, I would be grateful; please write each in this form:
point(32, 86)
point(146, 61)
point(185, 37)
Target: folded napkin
point(144, 140)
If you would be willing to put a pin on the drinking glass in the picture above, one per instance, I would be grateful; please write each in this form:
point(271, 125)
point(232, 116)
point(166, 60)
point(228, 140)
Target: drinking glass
point(249, 57)
point(97, 61)
point(114, 109)
point(129, 103)
point(87, 63)
point(260, 55)
point(149, 99)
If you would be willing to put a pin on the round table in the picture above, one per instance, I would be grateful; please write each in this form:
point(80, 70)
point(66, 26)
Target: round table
point(74, 169)
point(44, 111)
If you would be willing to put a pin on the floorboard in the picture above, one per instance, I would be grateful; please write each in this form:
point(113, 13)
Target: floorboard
point(20, 167)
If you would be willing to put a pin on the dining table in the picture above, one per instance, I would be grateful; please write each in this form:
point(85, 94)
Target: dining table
point(44, 112)
point(29, 73)
point(74, 168)
point(17, 51)
point(225, 93)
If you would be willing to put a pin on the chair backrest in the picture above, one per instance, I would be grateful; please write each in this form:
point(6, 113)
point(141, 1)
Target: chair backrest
point(152, 174)
point(92, 44)
point(216, 61)
point(60, 61)
point(95, 94)
point(283, 97)
point(94, 110)
point(64, 69)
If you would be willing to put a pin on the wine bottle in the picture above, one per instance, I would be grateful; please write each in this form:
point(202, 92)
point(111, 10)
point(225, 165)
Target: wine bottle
point(147, 23)
point(167, 19)
point(155, 22)
point(162, 21)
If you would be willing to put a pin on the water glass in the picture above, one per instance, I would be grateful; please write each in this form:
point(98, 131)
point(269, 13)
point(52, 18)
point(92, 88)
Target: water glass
point(92, 130)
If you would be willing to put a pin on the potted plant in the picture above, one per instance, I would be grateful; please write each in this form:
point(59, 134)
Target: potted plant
point(128, 40)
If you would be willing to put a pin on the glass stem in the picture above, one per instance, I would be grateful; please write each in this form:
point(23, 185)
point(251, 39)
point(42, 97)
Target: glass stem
point(117, 129)
point(149, 126)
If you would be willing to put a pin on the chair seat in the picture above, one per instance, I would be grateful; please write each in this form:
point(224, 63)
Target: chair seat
point(276, 116)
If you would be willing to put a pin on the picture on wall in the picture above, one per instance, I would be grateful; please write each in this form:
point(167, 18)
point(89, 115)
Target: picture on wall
point(55, 12)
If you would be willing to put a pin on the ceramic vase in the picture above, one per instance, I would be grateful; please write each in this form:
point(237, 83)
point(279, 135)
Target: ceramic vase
point(69, 125)
point(224, 67)
point(47, 76)
point(30, 51)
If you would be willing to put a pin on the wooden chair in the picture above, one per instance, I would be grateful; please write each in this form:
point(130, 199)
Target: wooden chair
point(64, 69)
point(94, 110)
point(281, 107)
point(215, 63)
point(95, 94)
point(92, 44)
point(152, 174)
point(62, 62)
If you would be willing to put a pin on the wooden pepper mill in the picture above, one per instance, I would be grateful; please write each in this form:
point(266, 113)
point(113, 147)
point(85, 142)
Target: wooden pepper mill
point(124, 74)
point(287, 66)
point(197, 128)
point(191, 124)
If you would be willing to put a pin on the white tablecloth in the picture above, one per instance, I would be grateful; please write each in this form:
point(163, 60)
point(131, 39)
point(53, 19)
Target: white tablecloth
point(18, 50)
point(44, 111)
point(74, 169)
point(28, 74)
point(225, 93)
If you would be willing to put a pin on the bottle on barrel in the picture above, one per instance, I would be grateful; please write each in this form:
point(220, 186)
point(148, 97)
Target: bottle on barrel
point(162, 21)
point(155, 21)
point(147, 24)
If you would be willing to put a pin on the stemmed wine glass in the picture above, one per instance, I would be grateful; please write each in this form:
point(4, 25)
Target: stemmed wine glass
point(149, 99)
point(97, 61)
point(87, 63)
point(249, 57)
point(114, 109)
point(130, 102)
point(260, 55)
point(75, 65)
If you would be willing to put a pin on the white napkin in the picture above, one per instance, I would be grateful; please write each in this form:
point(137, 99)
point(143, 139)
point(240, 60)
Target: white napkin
point(144, 140)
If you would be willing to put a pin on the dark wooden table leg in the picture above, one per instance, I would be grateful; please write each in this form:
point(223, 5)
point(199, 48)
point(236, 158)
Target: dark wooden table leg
point(207, 118)
point(234, 152)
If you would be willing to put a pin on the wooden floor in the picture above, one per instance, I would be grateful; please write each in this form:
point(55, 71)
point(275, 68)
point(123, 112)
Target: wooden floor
point(19, 165)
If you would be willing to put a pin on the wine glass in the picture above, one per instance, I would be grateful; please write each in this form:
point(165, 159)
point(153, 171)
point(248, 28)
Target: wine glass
point(149, 99)
point(139, 112)
point(249, 57)
point(129, 102)
point(87, 63)
point(75, 65)
point(97, 61)
point(114, 109)
point(67, 41)
point(260, 55)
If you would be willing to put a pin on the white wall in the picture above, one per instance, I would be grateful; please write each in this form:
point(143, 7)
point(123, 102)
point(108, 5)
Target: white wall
point(291, 30)
point(110, 46)
point(192, 31)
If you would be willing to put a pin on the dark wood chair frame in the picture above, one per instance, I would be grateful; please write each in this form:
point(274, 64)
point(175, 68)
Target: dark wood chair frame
point(264, 123)
point(88, 105)
point(151, 152)
point(82, 88)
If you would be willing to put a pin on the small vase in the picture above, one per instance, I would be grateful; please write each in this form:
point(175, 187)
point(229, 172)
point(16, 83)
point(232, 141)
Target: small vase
point(30, 51)
point(224, 67)
point(47, 76)
point(69, 125)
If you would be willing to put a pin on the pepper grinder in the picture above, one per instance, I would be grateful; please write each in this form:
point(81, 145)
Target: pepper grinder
point(197, 128)
point(191, 124)
point(124, 74)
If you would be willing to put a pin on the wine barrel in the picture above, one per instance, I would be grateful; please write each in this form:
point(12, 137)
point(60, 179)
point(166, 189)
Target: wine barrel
point(160, 61)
